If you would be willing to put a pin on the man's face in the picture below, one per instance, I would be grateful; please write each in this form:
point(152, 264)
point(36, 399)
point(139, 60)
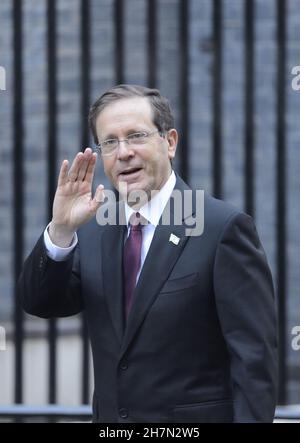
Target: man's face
point(142, 167)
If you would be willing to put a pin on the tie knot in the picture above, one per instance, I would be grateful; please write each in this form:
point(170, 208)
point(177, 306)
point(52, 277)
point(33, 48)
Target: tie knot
point(136, 221)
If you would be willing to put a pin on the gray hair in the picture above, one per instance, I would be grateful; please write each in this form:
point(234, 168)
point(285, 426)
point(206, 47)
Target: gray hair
point(162, 113)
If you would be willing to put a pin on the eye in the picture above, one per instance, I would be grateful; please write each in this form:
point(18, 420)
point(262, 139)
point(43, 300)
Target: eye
point(109, 142)
point(137, 136)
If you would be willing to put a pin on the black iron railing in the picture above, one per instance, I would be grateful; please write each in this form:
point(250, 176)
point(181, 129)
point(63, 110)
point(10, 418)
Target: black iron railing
point(84, 413)
point(217, 171)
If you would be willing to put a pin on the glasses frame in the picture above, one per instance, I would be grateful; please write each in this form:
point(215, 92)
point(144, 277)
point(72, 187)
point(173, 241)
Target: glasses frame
point(128, 141)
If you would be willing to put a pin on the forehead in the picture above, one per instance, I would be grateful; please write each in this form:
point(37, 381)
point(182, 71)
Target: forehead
point(125, 114)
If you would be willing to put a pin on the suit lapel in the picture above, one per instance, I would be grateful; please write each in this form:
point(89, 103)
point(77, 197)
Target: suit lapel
point(158, 265)
point(159, 262)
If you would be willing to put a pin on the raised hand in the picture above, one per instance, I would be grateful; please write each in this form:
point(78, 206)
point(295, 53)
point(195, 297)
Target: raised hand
point(73, 203)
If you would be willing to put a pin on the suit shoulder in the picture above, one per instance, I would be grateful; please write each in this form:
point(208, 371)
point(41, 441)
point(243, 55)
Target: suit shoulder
point(219, 208)
point(215, 210)
point(219, 213)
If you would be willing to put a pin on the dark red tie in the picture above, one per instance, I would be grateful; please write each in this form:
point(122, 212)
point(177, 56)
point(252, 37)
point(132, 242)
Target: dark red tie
point(132, 259)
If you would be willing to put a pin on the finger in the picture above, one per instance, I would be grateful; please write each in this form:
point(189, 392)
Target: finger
point(98, 198)
point(87, 155)
point(74, 169)
point(63, 173)
point(91, 168)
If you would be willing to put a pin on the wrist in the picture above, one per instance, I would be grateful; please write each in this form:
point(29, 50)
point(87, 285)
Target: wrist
point(60, 235)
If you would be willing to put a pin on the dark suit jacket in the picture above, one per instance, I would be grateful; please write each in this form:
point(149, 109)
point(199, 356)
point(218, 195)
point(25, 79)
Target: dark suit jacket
point(200, 341)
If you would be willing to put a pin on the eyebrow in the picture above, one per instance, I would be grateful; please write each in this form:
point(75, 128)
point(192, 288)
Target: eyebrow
point(130, 131)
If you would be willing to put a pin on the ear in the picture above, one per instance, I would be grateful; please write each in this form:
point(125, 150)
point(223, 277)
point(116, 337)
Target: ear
point(172, 139)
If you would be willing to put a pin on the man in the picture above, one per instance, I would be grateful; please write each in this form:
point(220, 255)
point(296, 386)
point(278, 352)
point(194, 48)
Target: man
point(182, 327)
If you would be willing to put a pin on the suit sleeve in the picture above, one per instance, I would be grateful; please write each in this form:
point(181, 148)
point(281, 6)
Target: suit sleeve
point(47, 288)
point(246, 308)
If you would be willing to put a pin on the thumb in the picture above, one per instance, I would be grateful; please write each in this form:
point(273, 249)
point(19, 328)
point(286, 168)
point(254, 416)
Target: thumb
point(98, 198)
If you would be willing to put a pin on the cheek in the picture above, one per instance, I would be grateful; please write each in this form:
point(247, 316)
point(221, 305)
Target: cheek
point(157, 163)
point(107, 166)
point(153, 160)
point(151, 168)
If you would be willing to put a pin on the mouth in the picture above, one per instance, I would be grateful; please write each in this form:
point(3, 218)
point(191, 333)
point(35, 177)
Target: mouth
point(129, 174)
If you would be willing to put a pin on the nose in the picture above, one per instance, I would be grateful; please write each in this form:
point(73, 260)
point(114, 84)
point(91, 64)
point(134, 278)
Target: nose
point(124, 150)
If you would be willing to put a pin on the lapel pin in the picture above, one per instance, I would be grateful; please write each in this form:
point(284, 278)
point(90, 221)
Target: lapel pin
point(174, 239)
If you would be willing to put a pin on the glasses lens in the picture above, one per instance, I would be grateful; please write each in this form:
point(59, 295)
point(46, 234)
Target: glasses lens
point(138, 138)
point(108, 146)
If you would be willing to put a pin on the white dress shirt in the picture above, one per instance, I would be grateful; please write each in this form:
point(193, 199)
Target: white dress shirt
point(151, 211)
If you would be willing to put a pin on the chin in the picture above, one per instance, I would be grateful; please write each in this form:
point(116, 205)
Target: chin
point(137, 191)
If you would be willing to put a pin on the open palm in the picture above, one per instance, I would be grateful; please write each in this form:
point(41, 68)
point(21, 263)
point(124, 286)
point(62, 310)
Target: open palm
point(73, 203)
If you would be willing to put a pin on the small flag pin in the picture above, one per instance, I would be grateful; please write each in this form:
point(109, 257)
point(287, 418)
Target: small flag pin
point(174, 239)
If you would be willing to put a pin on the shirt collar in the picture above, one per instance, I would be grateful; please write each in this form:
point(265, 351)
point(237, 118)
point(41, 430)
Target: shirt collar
point(153, 209)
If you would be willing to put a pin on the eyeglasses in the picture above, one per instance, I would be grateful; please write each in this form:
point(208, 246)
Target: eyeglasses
point(108, 147)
